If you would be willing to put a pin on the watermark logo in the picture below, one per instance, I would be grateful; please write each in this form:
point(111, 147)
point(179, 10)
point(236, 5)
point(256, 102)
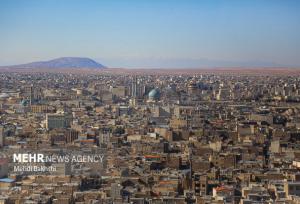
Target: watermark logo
point(41, 158)
point(64, 162)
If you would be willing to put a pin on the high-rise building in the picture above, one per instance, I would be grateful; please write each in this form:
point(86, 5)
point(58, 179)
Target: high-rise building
point(119, 91)
point(199, 184)
point(33, 94)
point(134, 87)
point(28, 93)
point(1, 136)
point(58, 121)
point(115, 190)
point(104, 137)
point(71, 135)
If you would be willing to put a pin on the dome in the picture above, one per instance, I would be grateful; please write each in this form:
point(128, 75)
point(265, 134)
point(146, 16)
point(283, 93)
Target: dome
point(154, 94)
point(24, 102)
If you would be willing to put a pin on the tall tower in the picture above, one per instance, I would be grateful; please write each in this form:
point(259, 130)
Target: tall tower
point(104, 137)
point(32, 93)
point(29, 93)
point(134, 87)
point(1, 136)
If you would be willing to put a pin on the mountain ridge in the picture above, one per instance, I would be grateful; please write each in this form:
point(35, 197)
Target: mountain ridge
point(61, 63)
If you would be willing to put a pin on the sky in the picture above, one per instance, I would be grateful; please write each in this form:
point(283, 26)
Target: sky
point(153, 33)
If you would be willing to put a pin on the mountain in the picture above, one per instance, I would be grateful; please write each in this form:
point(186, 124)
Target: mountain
point(62, 63)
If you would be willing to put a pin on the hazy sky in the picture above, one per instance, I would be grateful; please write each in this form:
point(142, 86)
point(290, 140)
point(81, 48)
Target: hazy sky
point(152, 33)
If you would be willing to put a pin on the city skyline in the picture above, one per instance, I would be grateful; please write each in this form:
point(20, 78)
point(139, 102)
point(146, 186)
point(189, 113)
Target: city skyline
point(149, 102)
point(161, 34)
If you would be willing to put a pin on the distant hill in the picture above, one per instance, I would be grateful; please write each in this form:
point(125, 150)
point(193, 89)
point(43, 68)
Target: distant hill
point(62, 63)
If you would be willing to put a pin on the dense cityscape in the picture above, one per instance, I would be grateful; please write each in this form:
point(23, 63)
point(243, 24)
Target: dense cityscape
point(164, 138)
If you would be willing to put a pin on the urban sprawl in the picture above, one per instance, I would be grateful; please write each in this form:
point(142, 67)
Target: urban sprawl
point(164, 138)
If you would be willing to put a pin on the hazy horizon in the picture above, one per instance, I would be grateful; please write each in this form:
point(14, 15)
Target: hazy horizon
point(150, 34)
point(175, 64)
